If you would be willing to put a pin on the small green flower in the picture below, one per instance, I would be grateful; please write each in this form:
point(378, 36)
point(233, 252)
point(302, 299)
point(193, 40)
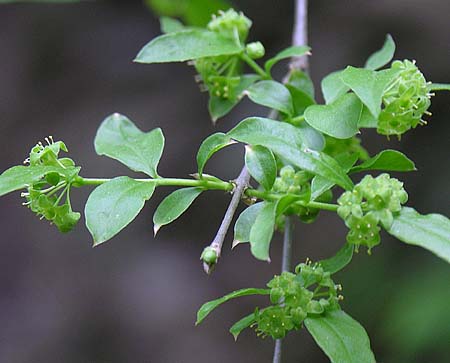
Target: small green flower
point(364, 231)
point(231, 24)
point(405, 101)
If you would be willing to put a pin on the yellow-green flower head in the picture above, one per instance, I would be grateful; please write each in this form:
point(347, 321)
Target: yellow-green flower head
point(231, 23)
point(405, 101)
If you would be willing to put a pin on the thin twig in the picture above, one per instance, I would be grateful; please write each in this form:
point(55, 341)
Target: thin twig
point(299, 37)
point(241, 183)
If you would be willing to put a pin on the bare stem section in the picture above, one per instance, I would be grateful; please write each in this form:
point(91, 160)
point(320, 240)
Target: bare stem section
point(241, 184)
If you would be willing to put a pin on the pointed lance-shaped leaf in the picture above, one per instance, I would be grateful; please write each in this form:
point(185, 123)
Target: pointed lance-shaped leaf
point(173, 206)
point(387, 160)
point(114, 204)
point(291, 52)
point(262, 231)
point(208, 307)
point(245, 222)
point(187, 45)
point(120, 139)
point(209, 147)
point(341, 259)
point(261, 165)
point(383, 56)
point(242, 324)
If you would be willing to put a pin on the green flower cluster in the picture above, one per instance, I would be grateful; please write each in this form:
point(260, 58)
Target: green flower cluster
point(294, 301)
point(221, 76)
point(297, 183)
point(372, 201)
point(405, 101)
point(42, 196)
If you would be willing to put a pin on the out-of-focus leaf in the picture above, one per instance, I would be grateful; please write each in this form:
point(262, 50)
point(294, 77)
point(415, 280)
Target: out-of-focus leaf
point(170, 25)
point(430, 231)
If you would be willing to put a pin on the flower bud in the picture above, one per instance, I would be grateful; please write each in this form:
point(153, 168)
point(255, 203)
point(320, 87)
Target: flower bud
point(255, 50)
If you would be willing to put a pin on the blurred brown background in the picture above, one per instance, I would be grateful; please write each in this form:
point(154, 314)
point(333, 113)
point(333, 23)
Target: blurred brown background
point(64, 68)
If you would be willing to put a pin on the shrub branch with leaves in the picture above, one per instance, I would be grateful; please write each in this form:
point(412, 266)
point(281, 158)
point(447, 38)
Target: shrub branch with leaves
point(299, 157)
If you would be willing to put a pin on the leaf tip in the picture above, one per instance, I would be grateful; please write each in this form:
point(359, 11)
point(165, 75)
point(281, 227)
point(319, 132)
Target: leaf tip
point(235, 243)
point(156, 228)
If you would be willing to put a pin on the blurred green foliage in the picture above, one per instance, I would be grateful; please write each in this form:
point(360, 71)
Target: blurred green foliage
point(192, 12)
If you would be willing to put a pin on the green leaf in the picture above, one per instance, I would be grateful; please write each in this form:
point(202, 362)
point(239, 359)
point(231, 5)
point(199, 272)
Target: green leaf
point(320, 185)
point(439, 87)
point(369, 85)
point(173, 206)
point(187, 45)
point(383, 56)
point(113, 205)
point(170, 25)
point(19, 177)
point(262, 231)
point(367, 120)
point(261, 165)
point(245, 223)
point(301, 81)
point(273, 95)
point(193, 12)
point(294, 51)
point(300, 99)
point(430, 231)
point(338, 119)
point(389, 160)
point(209, 147)
point(219, 107)
point(206, 308)
point(242, 324)
point(286, 141)
point(199, 12)
point(120, 139)
point(341, 259)
point(333, 87)
point(341, 338)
